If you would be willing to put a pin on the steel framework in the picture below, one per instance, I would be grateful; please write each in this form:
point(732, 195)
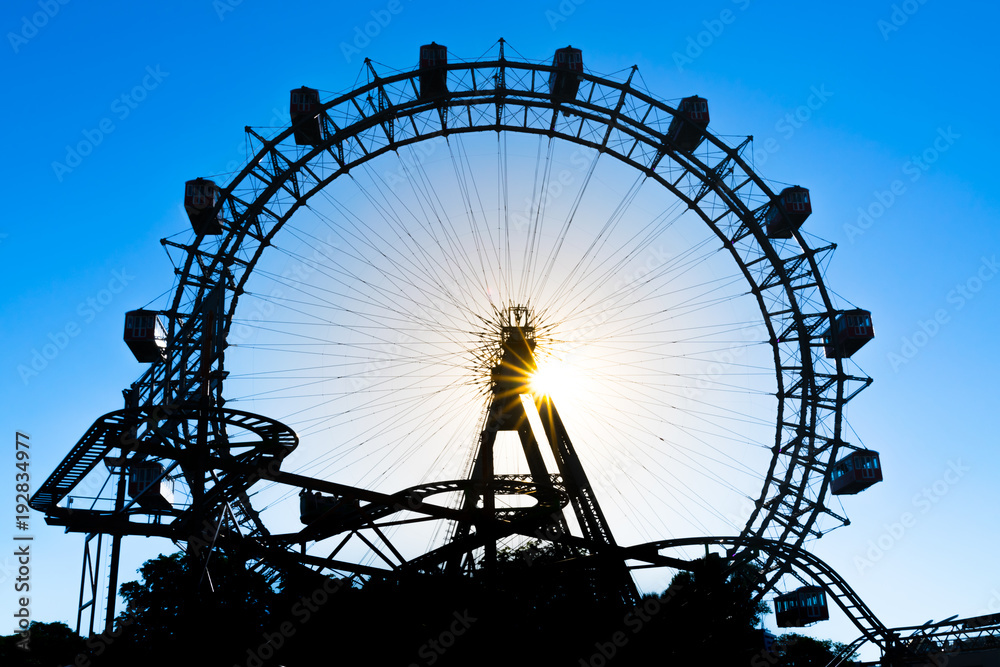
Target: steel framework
point(175, 412)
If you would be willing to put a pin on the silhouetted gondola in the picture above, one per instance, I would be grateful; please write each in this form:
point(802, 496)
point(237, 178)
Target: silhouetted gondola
point(850, 331)
point(304, 110)
point(200, 199)
point(788, 213)
point(145, 335)
point(801, 607)
point(686, 130)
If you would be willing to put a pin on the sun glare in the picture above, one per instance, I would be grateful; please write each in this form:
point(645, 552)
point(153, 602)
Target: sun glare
point(557, 378)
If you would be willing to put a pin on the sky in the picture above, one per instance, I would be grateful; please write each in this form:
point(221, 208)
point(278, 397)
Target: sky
point(882, 109)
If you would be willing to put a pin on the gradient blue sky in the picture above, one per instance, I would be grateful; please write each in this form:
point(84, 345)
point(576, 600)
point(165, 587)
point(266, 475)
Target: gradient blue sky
point(876, 106)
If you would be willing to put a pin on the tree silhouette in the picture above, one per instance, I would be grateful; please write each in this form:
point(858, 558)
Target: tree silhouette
point(546, 605)
point(178, 614)
point(49, 644)
point(795, 650)
point(706, 616)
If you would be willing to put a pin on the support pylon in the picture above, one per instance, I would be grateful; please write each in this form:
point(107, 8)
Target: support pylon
point(510, 380)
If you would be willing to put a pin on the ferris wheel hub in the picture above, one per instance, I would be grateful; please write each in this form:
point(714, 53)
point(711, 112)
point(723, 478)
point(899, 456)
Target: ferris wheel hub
point(511, 375)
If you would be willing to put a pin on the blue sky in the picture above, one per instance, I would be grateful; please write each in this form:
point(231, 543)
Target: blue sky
point(883, 110)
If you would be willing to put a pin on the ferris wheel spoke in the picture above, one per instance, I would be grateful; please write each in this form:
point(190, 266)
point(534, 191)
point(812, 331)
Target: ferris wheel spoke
point(374, 323)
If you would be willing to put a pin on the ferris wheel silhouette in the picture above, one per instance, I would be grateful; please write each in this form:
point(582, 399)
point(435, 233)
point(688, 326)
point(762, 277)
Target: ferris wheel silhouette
point(567, 299)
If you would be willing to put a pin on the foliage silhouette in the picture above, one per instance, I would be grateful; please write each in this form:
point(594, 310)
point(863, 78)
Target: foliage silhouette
point(545, 605)
point(49, 644)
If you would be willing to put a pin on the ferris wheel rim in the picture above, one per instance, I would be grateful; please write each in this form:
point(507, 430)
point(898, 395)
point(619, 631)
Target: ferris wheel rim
point(762, 516)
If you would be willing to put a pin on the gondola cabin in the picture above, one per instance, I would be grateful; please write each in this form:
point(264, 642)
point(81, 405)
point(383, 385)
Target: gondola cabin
point(855, 472)
point(687, 127)
point(564, 80)
point(201, 198)
point(433, 72)
point(150, 487)
point(304, 110)
point(801, 607)
point(787, 213)
point(145, 335)
point(850, 331)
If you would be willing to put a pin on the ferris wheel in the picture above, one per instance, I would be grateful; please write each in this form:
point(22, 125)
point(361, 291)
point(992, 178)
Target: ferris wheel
point(484, 303)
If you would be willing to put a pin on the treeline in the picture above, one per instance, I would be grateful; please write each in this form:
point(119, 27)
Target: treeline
point(541, 609)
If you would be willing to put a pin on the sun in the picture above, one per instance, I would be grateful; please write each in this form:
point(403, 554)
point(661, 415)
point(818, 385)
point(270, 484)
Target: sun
point(558, 378)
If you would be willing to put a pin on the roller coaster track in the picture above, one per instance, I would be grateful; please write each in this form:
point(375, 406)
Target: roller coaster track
point(935, 643)
point(112, 431)
point(157, 433)
point(807, 566)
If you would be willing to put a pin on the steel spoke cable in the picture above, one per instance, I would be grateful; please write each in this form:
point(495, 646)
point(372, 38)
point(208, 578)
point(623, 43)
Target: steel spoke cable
point(412, 258)
point(600, 239)
point(539, 286)
point(465, 175)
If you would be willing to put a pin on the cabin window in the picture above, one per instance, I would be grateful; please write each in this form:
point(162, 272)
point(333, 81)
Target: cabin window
point(868, 462)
